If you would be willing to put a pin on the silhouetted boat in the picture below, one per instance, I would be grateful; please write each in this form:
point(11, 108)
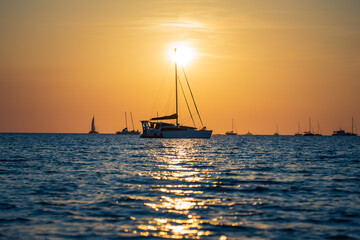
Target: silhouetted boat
point(125, 131)
point(298, 133)
point(155, 129)
point(343, 133)
point(232, 129)
point(277, 131)
point(319, 130)
point(309, 133)
point(248, 134)
point(93, 131)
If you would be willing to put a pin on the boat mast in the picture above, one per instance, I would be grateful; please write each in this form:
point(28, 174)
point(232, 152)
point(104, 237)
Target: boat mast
point(352, 125)
point(232, 125)
point(132, 121)
point(176, 92)
point(126, 121)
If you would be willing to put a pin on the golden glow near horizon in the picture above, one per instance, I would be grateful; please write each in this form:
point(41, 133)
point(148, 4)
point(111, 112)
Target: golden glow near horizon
point(260, 63)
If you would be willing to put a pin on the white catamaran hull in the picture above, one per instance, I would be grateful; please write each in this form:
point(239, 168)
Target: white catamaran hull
point(163, 130)
point(180, 134)
point(187, 134)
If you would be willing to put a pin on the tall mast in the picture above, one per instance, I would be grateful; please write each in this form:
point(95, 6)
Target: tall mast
point(132, 121)
point(232, 125)
point(352, 125)
point(309, 125)
point(125, 121)
point(176, 92)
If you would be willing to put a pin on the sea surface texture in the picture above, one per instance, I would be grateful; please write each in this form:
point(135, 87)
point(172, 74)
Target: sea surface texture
point(80, 186)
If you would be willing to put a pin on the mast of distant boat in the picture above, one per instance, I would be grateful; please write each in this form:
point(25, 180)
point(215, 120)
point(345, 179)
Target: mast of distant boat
point(132, 121)
point(126, 122)
point(176, 91)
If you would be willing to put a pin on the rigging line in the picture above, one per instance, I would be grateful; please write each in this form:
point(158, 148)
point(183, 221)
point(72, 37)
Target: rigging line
point(160, 90)
point(187, 104)
point(356, 131)
point(197, 110)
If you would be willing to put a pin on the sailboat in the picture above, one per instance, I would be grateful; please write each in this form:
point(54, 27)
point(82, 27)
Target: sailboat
point(156, 128)
point(343, 133)
point(232, 129)
point(93, 131)
point(298, 133)
point(319, 130)
point(125, 131)
point(309, 133)
point(277, 131)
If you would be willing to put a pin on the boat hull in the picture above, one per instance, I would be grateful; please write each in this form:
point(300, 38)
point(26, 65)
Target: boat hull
point(128, 133)
point(231, 133)
point(180, 134)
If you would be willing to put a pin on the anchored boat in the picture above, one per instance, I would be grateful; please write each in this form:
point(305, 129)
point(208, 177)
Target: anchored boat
point(277, 131)
point(232, 129)
point(93, 131)
point(157, 128)
point(310, 132)
point(298, 133)
point(125, 131)
point(341, 132)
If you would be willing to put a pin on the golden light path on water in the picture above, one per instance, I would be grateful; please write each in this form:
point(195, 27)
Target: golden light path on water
point(188, 196)
point(178, 164)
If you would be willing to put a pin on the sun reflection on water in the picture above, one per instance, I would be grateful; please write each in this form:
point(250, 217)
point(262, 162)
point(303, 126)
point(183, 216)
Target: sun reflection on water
point(192, 195)
point(183, 177)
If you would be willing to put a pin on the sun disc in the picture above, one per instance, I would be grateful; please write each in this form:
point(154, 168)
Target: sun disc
point(184, 53)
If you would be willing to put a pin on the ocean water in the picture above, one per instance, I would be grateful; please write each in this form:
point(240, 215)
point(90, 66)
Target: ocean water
point(67, 186)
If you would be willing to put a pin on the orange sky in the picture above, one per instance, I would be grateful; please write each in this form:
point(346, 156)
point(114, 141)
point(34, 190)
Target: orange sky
point(261, 63)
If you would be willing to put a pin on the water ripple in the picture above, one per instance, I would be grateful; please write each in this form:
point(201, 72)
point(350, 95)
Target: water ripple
point(61, 186)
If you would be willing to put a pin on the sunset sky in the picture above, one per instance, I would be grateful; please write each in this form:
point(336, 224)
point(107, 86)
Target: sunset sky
point(260, 63)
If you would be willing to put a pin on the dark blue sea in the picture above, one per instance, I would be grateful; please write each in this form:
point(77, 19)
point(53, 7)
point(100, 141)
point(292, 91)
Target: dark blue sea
point(80, 186)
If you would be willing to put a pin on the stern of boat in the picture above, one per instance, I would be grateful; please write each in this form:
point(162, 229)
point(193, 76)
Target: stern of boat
point(148, 131)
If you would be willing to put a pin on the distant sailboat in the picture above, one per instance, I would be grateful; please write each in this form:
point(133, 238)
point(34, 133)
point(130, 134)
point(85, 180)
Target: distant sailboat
point(319, 130)
point(125, 131)
point(93, 131)
point(248, 134)
point(232, 129)
point(155, 129)
point(343, 133)
point(277, 131)
point(309, 133)
point(298, 133)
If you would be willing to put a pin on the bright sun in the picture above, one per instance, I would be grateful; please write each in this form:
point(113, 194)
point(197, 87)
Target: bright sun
point(184, 53)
